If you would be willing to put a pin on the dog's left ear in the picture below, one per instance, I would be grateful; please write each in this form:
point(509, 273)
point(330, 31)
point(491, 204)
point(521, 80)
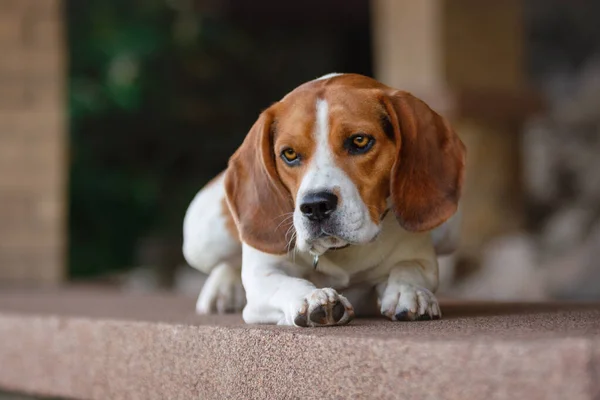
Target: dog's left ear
point(428, 173)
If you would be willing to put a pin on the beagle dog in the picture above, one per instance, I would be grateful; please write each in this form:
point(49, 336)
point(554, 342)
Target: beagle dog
point(297, 232)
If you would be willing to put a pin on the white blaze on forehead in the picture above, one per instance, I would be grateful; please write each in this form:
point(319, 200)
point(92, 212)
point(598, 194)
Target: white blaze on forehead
point(322, 126)
point(320, 174)
point(332, 75)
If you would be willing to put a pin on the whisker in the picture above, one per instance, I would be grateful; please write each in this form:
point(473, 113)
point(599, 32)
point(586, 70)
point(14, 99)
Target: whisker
point(284, 215)
point(289, 244)
point(289, 230)
point(287, 219)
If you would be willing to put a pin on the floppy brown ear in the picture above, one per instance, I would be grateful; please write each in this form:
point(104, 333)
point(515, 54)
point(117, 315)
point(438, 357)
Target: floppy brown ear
point(428, 173)
point(257, 198)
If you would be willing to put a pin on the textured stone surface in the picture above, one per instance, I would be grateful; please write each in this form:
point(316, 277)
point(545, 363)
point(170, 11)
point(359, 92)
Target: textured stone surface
point(101, 345)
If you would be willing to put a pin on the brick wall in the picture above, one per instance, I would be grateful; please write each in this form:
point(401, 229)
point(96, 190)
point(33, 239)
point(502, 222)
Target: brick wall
point(32, 142)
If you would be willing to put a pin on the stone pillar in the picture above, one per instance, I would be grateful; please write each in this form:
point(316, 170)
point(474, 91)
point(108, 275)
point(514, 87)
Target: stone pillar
point(465, 58)
point(32, 142)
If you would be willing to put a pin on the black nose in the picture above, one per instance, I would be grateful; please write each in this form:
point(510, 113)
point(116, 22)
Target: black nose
point(318, 206)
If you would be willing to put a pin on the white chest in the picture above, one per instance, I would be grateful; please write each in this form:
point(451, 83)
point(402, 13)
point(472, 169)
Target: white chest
point(364, 263)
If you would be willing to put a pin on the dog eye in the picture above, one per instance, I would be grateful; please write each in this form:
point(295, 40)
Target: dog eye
point(359, 143)
point(290, 156)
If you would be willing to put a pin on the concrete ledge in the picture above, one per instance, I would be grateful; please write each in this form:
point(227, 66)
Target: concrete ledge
point(102, 345)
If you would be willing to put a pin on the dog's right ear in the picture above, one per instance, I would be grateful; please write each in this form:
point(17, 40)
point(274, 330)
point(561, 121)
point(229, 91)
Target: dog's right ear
point(257, 198)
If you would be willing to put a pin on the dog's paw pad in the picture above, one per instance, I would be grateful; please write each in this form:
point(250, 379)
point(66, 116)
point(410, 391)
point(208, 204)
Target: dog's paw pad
point(301, 320)
point(324, 307)
point(407, 302)
point(338, 311)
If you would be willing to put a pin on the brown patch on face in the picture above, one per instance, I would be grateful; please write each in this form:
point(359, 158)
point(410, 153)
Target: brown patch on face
point(295, 125)
point(359, 112)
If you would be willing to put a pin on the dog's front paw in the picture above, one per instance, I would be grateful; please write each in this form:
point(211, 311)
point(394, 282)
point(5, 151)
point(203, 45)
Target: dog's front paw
point(323, 307)
point(406, 302)
point(222, 292)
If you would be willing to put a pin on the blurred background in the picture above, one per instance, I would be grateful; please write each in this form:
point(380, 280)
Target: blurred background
point(114, 113)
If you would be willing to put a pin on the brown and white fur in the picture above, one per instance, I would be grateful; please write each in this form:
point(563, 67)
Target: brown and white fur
point(254, 216)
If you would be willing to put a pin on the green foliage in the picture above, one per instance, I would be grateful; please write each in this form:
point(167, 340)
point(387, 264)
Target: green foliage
point(159, 98)
point(119, 102)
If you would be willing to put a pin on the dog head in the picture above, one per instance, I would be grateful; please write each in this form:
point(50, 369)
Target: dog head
point(320, 168)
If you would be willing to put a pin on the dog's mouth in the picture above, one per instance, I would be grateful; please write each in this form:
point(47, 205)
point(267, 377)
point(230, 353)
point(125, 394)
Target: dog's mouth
point(326, 241)
point(337, 245)
point(320, 238)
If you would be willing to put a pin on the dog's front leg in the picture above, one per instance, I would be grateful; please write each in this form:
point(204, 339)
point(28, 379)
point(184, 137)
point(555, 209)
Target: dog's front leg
point(275, 296)
point(407, 294)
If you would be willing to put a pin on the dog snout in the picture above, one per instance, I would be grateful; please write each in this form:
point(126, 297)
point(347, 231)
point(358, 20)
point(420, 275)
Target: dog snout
point(318, 206)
